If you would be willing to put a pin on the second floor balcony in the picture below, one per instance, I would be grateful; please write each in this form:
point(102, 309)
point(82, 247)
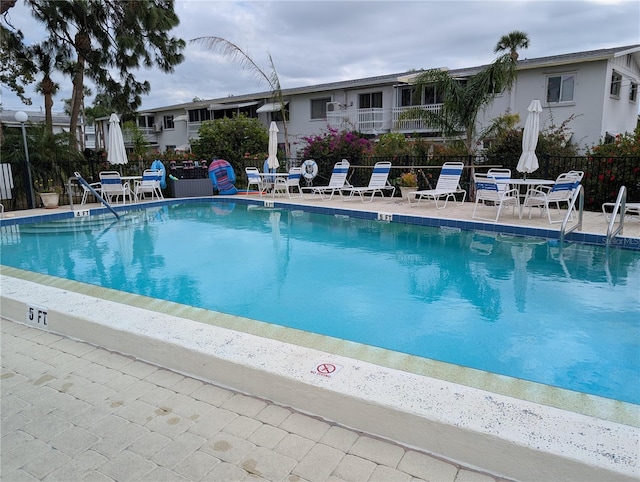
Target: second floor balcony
point(378, 120)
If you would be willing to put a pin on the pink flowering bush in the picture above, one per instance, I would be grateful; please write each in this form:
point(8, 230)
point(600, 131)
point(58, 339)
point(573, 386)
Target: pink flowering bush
point(335, 144)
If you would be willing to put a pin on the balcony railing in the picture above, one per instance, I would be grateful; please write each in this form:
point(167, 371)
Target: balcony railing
point(377, 121)
point(405, 119)
point(150, 135)
point(367, 121)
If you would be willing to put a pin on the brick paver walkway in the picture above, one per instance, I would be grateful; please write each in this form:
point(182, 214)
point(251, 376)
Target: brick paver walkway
point(72, 411)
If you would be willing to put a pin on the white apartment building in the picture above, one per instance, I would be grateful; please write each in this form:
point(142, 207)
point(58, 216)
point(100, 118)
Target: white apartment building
point(599, 88)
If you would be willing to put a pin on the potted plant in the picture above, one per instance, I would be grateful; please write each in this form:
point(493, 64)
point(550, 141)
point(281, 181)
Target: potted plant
point(408, 181)
point(49, 193)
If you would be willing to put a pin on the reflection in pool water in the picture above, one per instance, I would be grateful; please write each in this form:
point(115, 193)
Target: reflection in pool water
point(516, 306)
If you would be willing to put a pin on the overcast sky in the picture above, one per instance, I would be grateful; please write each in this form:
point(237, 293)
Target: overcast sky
point(318, 41)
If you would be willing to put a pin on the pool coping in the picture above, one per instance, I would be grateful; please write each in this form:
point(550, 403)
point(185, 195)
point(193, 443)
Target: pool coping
point(500, 434)
point(497, 424)
point(383, 213)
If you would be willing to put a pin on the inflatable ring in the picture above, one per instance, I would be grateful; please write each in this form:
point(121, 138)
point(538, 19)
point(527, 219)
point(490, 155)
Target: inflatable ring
point(309, 169)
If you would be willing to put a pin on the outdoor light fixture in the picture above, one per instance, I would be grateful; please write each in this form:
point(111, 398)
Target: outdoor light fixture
point(22, 117)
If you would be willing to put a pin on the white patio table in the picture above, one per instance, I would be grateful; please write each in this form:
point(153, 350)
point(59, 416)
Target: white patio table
point(529, 183)
point(270, 177)
point(128, 179)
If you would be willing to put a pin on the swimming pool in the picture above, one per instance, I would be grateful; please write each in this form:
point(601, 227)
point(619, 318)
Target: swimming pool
point(514, 306)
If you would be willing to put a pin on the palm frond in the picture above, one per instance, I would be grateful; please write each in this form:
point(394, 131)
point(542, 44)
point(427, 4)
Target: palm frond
point(236, 54)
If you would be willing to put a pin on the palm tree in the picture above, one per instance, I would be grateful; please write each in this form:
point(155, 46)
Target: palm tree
point(45, 57)
point(463, 99)
point(232, 51)
point(109, 41)
point(512, 42)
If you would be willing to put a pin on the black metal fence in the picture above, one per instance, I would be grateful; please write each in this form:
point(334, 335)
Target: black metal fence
point(603, 175)
point(602, 180)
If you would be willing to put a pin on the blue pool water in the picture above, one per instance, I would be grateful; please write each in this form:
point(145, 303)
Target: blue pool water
point(514, 306)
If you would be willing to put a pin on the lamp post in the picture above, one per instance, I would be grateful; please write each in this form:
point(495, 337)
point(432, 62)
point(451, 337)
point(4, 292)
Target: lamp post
point(22, 117)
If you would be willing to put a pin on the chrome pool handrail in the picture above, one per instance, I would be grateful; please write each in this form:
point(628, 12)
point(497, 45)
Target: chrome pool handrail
point(619, 207)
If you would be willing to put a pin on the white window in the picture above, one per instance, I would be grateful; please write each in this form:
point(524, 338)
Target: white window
point(429, 96)
point(633, 92)
point(616, 82)
point(319, 108)
point(560, 88)
point(433, 96)
point(407, 96)
point(145, 121)
point(199, 115)
point(370, 101)
point(168, 122)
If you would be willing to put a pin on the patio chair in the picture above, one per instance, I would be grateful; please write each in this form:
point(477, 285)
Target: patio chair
point(379, 182)
point(561, 192)
point(254, 179)
point(579, 175)
point(289, 183)
point(500, 174)
point(337, 182)
point(488, 193)
point(86, 192)
point(447, 187)
point(112, 187)
point(150, 183)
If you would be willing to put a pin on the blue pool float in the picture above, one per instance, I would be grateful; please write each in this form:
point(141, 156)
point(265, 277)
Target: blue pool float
point(222, 177)
point(158, 166)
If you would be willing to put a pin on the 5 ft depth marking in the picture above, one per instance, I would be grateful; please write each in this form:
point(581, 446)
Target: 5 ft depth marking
point(37, 315)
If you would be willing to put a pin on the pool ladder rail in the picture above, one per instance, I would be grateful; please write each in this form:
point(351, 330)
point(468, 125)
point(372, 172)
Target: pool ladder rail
point(86, 185)
point(618, 208)
point(578, 195)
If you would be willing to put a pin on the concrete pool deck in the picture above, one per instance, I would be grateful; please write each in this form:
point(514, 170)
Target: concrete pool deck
point(508, 428)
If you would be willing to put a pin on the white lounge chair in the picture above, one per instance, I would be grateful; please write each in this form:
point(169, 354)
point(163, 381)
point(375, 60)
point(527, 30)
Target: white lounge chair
point(447, 187)
point(379, 182)
point(337, 182)
point(631, 210)
point(561, 192)
point(489, 193)
point(149, 184)
point(290, 183)
point(112, 187)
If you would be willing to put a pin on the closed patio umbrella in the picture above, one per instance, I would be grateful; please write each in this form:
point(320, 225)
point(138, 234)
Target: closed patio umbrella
point(272, 160)
point(528, 160)
point(116, 152)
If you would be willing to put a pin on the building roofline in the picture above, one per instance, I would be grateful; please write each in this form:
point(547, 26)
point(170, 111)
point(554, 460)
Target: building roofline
point(7, 117)
point(525, 64)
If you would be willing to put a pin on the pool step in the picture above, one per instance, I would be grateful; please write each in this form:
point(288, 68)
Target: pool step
point(79, 224)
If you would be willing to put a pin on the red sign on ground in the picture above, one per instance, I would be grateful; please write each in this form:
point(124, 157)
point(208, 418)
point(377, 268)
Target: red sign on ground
point(327, 370)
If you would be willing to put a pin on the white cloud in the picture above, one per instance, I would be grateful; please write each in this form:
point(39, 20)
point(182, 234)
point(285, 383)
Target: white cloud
point(314, 42)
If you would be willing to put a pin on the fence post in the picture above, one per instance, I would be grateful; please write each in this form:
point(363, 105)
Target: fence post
point(472, 185)
point(545, 169)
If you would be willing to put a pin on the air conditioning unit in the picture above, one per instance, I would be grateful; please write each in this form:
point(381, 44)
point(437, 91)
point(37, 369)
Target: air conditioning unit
point(333, 106)
point(157, 127)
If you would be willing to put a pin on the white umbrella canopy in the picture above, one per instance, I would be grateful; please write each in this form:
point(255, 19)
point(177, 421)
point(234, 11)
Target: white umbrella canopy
point(272, 160)
point(116, 152)
point(528, 160)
